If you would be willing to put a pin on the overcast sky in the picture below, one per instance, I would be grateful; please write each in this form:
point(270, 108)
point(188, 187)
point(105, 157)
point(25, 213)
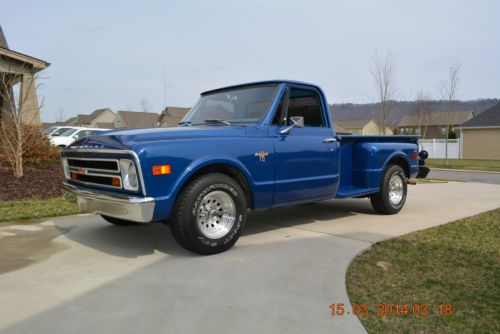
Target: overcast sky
point(115, 53)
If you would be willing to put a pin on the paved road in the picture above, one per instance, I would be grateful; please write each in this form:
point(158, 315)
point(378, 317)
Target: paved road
point(80, 275)
point(493, 178)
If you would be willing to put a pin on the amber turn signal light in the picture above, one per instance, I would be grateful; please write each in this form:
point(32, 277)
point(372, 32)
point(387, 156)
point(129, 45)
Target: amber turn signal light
point(161, 170)
point(115, 182)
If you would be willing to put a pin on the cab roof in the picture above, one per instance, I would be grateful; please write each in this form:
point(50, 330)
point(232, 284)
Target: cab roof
point(259, 83)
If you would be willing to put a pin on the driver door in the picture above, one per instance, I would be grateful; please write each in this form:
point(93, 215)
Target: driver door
point(306, 158)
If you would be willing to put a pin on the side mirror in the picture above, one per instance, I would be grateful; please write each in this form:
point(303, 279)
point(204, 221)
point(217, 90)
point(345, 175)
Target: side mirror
point(297, 121)
point(54, 135)
point(75, 137)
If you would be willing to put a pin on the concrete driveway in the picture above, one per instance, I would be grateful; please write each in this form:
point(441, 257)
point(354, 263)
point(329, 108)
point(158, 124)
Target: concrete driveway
point(81, 275)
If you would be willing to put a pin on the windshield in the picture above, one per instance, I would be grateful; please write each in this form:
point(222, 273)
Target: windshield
point(59, 131)
point(68, 133)
point(244, 105)
point(49, 130)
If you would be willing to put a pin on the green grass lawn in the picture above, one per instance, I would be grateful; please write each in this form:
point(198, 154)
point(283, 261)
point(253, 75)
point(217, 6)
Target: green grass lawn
point(457, 263)
point(36, 208)
point(484, 165)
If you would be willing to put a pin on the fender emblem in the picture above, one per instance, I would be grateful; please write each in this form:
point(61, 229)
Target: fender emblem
point(262, 156)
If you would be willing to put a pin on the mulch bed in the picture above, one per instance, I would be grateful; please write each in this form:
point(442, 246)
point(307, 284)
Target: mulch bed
point(36, 183)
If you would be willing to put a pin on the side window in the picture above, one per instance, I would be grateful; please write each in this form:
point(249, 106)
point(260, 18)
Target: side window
point(81, 134)
point(305, 103)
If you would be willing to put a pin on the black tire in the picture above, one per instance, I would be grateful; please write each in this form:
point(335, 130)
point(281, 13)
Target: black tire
point(192, 206)
point(381, 201)
point(117, 221)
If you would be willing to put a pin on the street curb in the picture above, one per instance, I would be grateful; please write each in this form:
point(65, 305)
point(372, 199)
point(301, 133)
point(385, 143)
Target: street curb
point(465, 170)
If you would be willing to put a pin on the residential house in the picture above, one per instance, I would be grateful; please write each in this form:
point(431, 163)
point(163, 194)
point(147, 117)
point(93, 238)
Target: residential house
point(100, 118)
point(365, 127)
point(171, 116)
point(433, 124)
point(72, 121)
point(135, 119)
point(340, 130)
point(480, 136)
point(19, 69)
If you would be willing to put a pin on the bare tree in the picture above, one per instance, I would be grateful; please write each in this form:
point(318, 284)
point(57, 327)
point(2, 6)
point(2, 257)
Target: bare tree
point(383, 72)
point(18, 112)
point(449, 93)
point(146, 105)
point(421, 115)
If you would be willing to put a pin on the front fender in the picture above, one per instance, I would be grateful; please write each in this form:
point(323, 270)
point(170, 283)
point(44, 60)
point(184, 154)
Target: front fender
point(199, 164)
point(167, 202)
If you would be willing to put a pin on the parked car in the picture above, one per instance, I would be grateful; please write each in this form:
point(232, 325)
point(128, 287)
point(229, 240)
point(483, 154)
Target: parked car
point(252, 146)
point(66, 138)
point(57, 130)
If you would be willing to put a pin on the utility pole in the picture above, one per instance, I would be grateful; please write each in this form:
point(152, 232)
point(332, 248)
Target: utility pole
point(164, 87)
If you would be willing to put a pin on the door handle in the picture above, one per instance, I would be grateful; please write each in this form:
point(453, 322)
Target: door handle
point(329, 140)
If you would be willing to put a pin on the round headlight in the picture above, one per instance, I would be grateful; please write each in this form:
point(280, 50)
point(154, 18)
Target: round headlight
point(132, 175)
point(129, 175)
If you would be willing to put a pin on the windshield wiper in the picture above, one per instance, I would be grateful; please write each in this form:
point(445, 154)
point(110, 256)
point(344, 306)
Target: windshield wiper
point(185, 123)
point(217, 121)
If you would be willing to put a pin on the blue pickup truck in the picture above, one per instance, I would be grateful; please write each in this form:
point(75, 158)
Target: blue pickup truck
point(245, 147)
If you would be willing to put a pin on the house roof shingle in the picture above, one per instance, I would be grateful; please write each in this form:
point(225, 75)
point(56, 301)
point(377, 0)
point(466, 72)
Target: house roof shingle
point(85, 119)
point(172, 115)
point(96, 113)
point(3, 40)
point(70, 120)
point(135, 119)
point(438, 118)
point(488, 118)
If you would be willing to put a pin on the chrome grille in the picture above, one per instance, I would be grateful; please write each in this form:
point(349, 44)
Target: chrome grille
point(95, 164)
point(96, 167)
point(94, 171)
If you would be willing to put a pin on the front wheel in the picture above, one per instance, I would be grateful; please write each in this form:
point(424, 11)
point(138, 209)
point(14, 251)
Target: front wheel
point(209, 214)
point(392, 195)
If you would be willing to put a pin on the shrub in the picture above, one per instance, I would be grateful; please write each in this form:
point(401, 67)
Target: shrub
point(37, 150)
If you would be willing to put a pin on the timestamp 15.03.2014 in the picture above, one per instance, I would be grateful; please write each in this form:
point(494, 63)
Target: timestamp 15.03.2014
point(389, 310)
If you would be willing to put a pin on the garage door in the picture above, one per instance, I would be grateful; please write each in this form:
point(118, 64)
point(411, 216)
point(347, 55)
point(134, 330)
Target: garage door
point(481, 144)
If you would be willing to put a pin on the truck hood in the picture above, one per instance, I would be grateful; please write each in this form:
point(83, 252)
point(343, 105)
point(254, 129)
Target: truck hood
point(128, 139)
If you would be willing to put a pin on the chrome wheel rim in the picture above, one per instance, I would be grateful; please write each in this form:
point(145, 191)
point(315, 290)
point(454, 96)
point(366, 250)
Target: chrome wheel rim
point(216, 214)
point(396, 189)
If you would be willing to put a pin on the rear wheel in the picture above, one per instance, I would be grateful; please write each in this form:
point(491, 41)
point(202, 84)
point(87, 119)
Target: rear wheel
point(393, 189)
point(209, 214)
point(117, 221)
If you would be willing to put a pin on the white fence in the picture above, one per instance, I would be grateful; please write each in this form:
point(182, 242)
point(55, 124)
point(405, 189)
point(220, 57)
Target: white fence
point(436, 148)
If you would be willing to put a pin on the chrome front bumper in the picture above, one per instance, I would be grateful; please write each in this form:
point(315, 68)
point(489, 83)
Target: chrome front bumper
point(137, 209)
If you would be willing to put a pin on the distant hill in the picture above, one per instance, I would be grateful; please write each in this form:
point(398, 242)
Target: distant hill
point(398, 109)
